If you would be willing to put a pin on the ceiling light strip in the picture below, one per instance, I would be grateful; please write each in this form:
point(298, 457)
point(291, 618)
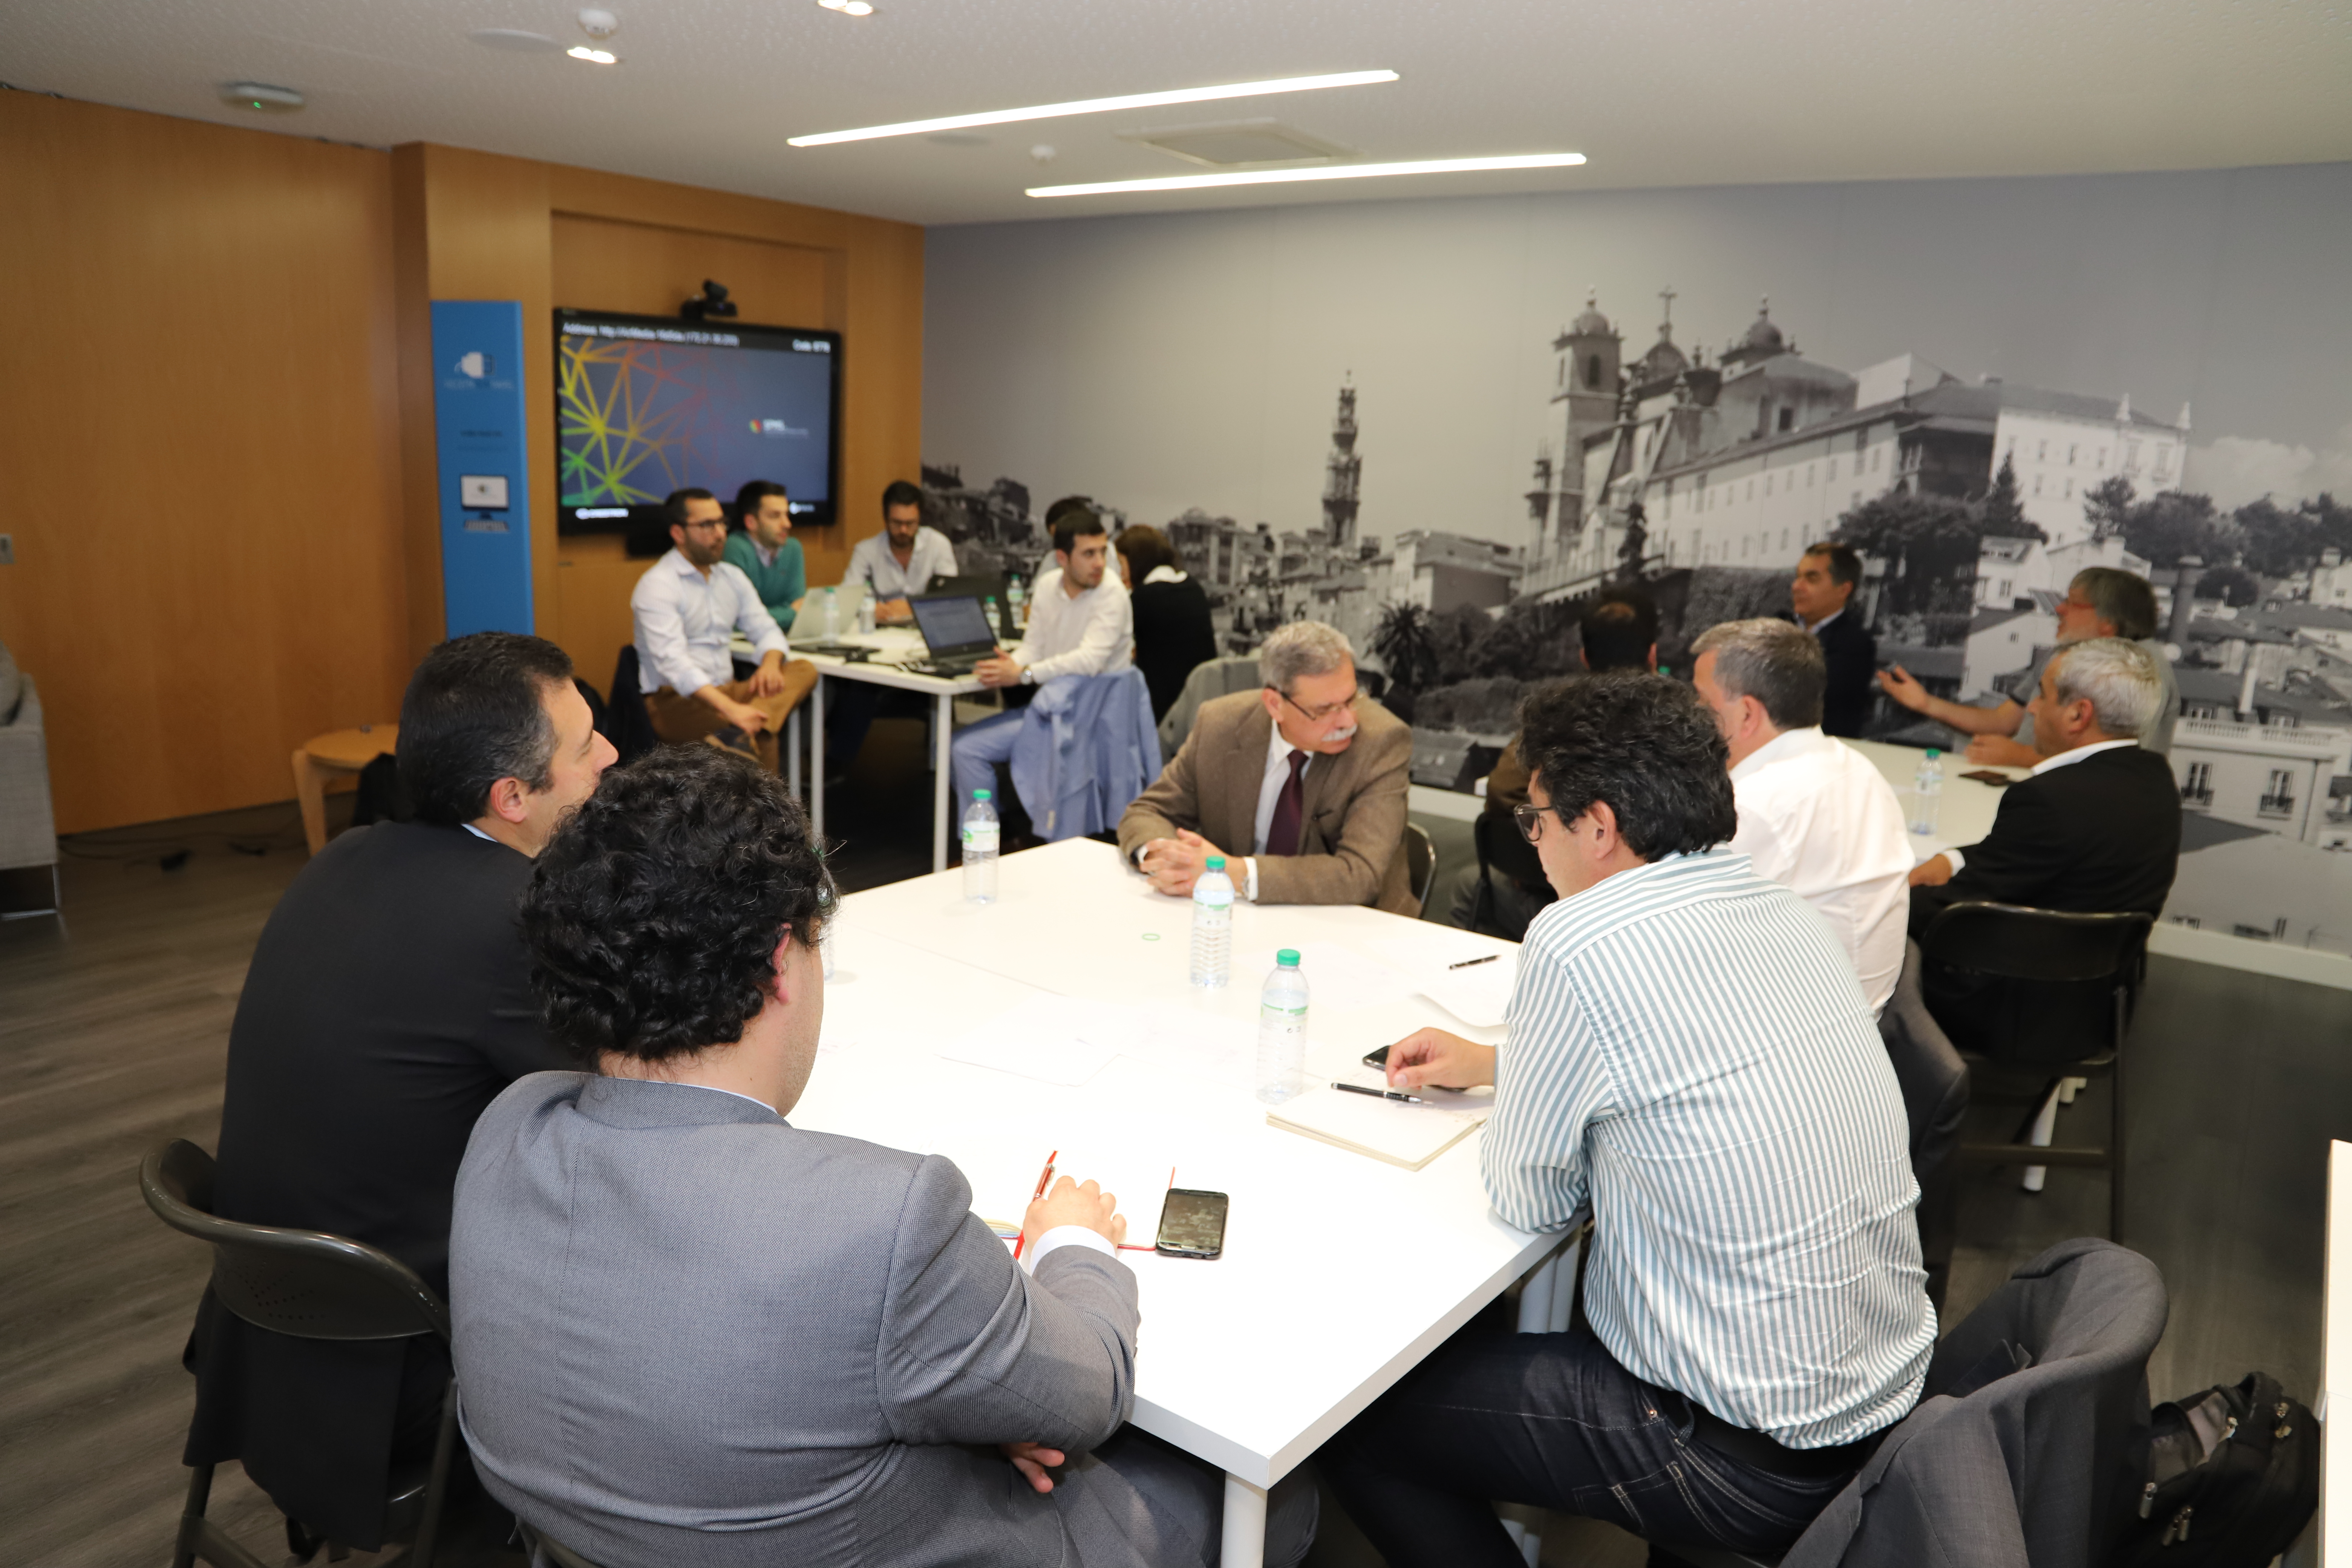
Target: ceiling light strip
point(1098, 106)
point(1329, 171)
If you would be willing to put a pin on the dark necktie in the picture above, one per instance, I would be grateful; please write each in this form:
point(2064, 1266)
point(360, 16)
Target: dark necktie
point(1289, 808)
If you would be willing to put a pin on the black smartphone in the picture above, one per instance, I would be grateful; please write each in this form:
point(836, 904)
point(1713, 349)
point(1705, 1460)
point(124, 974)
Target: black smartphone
point(1192, 1223)
point(1379, 1059)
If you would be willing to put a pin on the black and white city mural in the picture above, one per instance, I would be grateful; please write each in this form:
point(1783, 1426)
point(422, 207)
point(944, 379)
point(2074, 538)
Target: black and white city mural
point(1442, 425)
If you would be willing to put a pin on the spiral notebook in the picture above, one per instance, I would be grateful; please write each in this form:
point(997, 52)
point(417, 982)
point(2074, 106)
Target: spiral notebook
point(1407, 1135)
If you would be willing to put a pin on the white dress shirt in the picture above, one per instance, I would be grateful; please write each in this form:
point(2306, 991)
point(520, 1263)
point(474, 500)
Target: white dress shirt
point(2036, 771)
point(871, 562)
point(682, 622)
point(1817, 816)
point(1092, 634)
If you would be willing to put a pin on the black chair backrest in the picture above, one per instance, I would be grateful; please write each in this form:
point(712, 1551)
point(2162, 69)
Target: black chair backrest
point(1503, 850)
point(626, 725)
point(2012, 941)
point(1935, 1083)
point(305, 1283)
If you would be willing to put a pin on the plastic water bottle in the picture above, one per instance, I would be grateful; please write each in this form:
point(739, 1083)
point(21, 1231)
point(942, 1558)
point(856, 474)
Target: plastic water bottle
point(866, 613)
point(979, 850)
point(1016, 596)
point(832, 613)
point(1927, 791)
point(1212, 925)
point(1282, 1030)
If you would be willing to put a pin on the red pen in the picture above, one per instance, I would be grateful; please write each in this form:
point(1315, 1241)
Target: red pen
point(1044, 1180)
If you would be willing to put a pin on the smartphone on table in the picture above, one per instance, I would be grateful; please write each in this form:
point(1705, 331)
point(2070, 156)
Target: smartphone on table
point(1192, 1223)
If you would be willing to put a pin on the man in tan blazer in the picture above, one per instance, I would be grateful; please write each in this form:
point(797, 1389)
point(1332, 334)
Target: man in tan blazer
point(1303, 782)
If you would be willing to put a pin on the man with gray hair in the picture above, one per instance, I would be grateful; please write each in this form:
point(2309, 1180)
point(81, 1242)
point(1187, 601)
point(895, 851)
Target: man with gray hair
point(2100, 601)
point(1814, 813)
point(2097, 824)
point(1304, 781)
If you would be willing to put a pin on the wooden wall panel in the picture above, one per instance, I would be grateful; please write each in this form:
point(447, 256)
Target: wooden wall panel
point(200, 463)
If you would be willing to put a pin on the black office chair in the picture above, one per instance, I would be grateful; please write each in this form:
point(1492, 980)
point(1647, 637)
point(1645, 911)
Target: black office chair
point(2040, 996)
point(1935, 1083)
point(626, 724)
point(1503, 852)
point(313, 1285)
point(1420, 864)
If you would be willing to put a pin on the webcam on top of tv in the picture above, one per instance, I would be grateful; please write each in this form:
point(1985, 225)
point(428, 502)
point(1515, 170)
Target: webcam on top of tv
point(711, 302)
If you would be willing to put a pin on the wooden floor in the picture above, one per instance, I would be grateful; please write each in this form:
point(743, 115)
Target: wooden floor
point(114, 1024)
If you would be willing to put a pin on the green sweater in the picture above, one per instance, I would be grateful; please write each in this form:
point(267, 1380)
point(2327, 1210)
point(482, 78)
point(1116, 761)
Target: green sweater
point(779, 585)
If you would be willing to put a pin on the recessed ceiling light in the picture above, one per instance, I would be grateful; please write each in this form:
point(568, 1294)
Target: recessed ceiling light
point(514, 40)
point(1093, 105)
point(1330, 171)
point(261, 98)
point(848, 7)
point(594, 57)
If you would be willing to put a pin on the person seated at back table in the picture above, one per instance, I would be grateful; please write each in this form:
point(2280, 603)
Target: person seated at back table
point(1813, 813)
point(903, 558)
point(2095, 826)
point(2101, 602)
point(1691, 1059)
point(388, 1003)
point(685, 608)
point(1821, 599)
point(1173, 632)
point(690, 1332)
point(765, 550)
point(1306, 779)
point(1079, 624)
point(1618, 630)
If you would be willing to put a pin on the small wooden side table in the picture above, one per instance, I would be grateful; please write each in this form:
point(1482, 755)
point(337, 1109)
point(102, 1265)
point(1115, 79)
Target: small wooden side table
point(332, 756)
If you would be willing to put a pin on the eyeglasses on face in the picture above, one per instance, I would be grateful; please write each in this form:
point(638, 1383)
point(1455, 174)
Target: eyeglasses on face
point(1317, 715)
point(1528, 820)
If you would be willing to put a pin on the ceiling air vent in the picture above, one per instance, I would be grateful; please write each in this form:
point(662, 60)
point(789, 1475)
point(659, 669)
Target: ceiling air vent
point(1240, 144)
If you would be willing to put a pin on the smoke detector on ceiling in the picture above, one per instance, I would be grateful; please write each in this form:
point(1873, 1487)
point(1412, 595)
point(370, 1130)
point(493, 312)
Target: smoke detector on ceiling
point(599, 24)
point(260, 98)
point(1240, 144)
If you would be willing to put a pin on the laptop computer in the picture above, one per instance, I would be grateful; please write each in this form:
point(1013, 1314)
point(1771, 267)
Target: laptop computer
point(956, 633)
point(988, 587)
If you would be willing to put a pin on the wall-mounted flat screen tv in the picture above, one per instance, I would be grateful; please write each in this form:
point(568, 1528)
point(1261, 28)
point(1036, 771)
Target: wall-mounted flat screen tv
point(646, 404)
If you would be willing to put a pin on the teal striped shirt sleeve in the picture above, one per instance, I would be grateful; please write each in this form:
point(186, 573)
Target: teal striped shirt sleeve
point(1551, 1080)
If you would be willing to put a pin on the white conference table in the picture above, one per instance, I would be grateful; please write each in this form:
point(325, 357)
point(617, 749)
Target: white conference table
point(1964, 807)
point(1341, 1272)
point(2336, 1366)
point(895, 644)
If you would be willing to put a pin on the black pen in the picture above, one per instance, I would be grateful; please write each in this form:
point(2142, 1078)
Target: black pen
point(1382, 1094)
point(1468, 962)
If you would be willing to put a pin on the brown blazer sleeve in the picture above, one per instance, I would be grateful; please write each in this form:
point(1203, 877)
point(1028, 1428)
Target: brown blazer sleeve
point(1171, 802)
point(1374, 776)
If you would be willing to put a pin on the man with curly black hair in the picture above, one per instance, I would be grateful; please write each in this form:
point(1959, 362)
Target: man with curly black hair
point(691, 1332)
point(1691, 1061)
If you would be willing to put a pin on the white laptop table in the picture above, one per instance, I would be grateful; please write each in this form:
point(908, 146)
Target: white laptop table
point(1339, 1274)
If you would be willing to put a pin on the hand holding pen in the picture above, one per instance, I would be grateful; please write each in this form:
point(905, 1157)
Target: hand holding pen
point(1071, 1203)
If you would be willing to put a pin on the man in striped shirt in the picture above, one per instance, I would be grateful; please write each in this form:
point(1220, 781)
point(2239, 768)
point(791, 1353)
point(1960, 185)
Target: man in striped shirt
point(1691, 1059)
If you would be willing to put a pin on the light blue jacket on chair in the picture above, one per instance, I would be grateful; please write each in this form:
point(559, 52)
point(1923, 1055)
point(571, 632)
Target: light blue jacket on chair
point(1086, 748)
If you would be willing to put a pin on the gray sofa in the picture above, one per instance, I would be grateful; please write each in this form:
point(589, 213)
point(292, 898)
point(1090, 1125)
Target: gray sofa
point(28, 827)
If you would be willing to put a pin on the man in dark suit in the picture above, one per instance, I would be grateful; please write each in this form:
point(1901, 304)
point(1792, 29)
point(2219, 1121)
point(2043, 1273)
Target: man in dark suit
point(691, 1332)
point(2094, 828)
point(388, 1003)
point(1823, 598)
point(1303, 782)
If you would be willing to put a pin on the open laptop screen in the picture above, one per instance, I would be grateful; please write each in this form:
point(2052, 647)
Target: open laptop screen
point(952, 626)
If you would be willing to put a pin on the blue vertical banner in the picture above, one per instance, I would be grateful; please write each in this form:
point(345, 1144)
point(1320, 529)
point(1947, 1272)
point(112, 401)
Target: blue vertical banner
point(481, 456)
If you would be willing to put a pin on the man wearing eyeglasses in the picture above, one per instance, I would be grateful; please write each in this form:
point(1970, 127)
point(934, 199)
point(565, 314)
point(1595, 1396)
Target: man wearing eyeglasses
point(1305, 781)
point(2101, 602)
point(684, 607)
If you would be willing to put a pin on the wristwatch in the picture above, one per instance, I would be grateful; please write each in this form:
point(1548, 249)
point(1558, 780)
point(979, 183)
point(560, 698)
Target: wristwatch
point(1028, 675)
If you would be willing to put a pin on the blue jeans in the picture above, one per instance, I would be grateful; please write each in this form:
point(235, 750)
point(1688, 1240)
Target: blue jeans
point(1551, 1420)
point(974, 753)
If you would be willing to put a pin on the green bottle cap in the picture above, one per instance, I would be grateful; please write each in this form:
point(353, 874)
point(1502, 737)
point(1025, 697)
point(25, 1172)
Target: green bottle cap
point(981, 795)
point(1217, 862)
point(1933, 754)
point(1287, 958)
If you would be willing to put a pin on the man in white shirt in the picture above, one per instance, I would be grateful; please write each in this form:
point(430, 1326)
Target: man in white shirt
point(1814, 815)
point(903, 558)
point(685, 606)
point(1080, 623)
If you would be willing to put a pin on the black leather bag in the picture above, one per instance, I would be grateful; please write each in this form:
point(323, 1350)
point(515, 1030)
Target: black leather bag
point(2233, 1477)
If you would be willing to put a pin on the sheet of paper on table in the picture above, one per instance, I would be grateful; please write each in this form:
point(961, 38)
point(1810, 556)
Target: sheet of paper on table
point(1477, 993)
point(1065, 1040)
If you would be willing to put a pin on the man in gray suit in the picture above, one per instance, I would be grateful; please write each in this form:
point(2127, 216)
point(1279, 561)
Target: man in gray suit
point(688, 1334)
